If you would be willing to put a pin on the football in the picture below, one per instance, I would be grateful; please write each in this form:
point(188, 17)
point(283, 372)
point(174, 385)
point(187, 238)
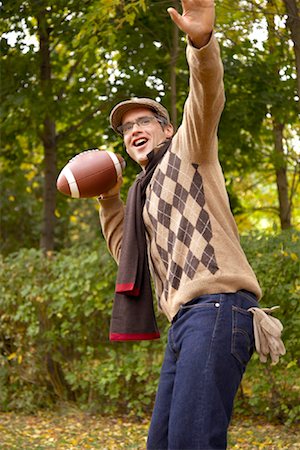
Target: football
point(90, 173)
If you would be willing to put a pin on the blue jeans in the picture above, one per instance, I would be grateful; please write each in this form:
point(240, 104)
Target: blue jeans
point(209, 345)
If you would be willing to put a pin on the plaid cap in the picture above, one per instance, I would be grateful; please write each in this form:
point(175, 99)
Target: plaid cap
point(121, 108)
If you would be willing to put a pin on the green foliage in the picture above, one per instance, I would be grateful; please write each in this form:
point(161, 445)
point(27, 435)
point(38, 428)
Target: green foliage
point(274, 390)
point(102, 52)
point(124, 380)
point(80, 94)
point(276, 261)
point(59, 306)
point(271, 391)
point(251, 95)
point(55, 305)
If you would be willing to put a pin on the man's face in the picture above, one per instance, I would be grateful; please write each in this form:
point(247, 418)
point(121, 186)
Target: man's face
point(141, 140)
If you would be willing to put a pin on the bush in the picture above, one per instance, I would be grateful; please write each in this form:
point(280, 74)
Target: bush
point(274, 390)
point(54, 328)
point(54, 335)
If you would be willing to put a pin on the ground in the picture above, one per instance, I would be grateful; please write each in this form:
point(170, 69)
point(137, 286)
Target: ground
point(68, 430)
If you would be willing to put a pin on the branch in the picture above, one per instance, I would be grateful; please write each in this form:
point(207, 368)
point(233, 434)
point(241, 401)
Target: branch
point(295, 182)
point(264, 177)
point(77, 125)
point(70, 74)
point(271, 209)
point(224, 32)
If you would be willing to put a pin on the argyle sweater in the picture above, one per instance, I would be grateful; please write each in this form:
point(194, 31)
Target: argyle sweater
point(193, 242)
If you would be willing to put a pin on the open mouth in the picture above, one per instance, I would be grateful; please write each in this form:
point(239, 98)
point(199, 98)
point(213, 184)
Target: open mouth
point(139, 142)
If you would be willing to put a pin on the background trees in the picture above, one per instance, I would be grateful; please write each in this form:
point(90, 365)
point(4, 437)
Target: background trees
point(260, 122)
point(56, 96)
point(59, 86)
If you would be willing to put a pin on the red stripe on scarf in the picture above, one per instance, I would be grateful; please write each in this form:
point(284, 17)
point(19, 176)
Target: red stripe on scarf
point(128, 288)
point(133, 336)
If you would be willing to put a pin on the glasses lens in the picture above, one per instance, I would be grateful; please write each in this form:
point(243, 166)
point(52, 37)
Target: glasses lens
point(127, 127)
point(144, 121)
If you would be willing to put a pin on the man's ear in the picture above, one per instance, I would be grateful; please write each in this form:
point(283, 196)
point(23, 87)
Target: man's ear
point(169, 130)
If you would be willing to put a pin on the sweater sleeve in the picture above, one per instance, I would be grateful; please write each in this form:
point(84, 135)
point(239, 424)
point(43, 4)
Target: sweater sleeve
point(111, 215)
point(197, 134)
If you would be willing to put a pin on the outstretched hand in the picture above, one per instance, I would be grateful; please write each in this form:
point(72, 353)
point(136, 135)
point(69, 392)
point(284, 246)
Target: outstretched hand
point(114, 191)
point(197, 20)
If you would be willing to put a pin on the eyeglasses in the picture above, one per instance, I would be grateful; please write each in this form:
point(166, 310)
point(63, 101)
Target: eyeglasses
point(142, 122)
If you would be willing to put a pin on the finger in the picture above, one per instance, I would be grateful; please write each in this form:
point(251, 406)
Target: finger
point(120, 180)
point(176, 17)
point(115, 190)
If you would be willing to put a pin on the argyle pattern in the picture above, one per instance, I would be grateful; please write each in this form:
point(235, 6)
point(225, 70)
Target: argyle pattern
point(181, 225)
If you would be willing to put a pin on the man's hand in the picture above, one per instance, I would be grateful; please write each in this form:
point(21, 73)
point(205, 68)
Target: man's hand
point(114, 191)
point(197, 20)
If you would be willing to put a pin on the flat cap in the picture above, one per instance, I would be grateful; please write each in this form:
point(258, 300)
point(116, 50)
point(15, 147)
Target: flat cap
point(121, 108)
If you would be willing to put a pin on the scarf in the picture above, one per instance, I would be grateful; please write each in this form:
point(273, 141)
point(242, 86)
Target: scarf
point(133, 316)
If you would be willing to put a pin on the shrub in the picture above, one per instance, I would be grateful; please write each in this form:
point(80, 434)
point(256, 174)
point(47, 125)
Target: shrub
point(274, 390)
point(54, 335)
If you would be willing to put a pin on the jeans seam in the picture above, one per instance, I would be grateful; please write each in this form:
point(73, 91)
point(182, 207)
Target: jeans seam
point(205, 374)
point(171, 342)
point(235, 330)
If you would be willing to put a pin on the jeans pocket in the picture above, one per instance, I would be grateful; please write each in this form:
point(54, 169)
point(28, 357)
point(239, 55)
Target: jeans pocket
point(242, 340)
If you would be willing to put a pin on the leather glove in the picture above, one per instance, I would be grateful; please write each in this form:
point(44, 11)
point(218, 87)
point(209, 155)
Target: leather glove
point(267, 334)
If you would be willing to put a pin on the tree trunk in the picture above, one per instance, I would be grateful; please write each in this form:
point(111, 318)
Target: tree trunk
point(174, 57)
point(50, 173)
point(293, 22)
point(48, 136)
point(53, 368)
point(281, 177)
point(280, 164)
point(49, 140)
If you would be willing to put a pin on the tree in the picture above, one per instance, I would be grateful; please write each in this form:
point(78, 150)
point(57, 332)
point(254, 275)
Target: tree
point(57, 94)
point(260, 118)
point(62, 86)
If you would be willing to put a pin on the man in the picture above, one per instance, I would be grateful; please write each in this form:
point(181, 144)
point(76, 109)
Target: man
point(203, 281)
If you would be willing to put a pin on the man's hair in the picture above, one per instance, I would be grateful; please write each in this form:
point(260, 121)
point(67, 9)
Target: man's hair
point(162, 120)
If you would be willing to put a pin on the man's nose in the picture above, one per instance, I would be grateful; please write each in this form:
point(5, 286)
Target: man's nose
point(136, 128)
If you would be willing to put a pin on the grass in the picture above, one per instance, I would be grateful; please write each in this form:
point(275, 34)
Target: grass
point(68, 430)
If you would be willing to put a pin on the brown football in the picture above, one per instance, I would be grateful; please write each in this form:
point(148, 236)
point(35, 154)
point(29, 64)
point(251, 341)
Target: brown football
point(90, 173)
